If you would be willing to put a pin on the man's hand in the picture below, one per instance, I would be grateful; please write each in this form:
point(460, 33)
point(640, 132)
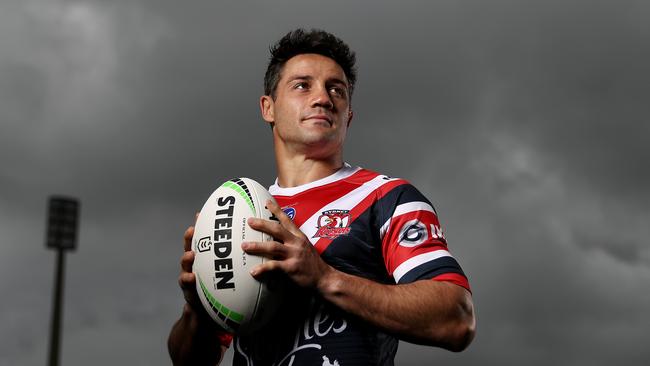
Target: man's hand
point(187, 279)
point(195, 338)
point(291, 252)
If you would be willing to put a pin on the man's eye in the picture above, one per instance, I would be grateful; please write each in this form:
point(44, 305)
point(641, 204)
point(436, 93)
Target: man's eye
point(300, 86)
point(337, 91)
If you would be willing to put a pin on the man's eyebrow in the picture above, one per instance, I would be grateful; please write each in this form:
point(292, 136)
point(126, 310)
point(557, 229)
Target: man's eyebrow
point(338, 81)
point(299, 77)
point(308, 77)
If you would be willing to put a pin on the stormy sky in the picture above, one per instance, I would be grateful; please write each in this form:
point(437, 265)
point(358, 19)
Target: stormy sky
point(525, 122)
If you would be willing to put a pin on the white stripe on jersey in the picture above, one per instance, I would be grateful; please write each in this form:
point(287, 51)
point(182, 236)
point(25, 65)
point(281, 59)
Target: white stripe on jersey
point(401, 210)
point(411, 263)
point(347, 202)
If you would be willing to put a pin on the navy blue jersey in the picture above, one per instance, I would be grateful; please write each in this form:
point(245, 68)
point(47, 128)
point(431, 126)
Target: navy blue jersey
point(365, 224)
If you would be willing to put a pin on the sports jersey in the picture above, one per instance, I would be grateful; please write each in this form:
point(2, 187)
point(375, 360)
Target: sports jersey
point(365, 224)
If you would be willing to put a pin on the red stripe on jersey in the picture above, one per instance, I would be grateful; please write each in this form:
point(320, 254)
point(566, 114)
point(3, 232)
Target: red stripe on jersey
point(326, 194)
point(394, 253)
point(361, 207)
point(455, 278)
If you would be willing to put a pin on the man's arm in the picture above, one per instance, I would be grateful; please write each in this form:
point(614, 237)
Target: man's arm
point(427, 312)
point(195, 337)
point(430, 312)
point(191, 342)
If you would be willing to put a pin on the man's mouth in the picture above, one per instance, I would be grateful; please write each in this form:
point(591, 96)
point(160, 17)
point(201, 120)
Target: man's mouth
point(319, 118)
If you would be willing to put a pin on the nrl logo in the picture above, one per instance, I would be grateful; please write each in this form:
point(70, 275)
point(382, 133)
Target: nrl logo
point(204, 244)
point(290, 212)
point(333, 223)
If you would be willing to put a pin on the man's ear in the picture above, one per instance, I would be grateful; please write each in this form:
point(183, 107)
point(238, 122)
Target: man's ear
point(267, 108)
point(350, 115)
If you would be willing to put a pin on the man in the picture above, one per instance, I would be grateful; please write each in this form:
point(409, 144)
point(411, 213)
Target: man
point(365, 251)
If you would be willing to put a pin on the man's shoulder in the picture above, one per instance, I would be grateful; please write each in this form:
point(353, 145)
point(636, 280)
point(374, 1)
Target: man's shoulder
point(384, 183)
point(390, 192)
point(373, 178)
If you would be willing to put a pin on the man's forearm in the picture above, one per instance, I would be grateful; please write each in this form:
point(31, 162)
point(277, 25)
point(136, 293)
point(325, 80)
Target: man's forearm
point(426, 312)
point(193, 340)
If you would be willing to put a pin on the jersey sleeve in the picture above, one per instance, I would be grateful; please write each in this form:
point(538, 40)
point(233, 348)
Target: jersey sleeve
point(413, 244)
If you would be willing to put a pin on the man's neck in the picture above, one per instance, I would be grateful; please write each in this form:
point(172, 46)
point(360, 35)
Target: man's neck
point(300, 170)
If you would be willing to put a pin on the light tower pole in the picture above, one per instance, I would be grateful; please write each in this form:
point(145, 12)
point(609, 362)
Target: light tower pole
point(62, 220)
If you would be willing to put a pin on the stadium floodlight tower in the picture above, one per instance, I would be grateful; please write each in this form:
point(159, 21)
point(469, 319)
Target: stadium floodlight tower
point(62, 219)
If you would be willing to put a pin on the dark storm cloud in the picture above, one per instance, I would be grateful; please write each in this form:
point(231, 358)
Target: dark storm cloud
point(524, 122)
point(576, 88)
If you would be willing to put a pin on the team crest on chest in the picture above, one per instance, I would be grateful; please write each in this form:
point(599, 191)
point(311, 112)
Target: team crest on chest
point(333, 223)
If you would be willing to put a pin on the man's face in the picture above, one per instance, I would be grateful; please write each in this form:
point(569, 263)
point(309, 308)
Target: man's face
point(311, 110)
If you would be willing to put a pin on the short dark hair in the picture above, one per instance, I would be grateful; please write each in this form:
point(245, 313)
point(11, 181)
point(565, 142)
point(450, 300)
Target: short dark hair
point(300, 41)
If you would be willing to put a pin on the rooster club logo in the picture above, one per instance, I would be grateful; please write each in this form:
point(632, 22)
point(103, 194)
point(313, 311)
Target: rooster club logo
point(333, 223)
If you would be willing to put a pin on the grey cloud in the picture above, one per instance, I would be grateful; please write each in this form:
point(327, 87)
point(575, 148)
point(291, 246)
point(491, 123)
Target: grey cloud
point(523, 122)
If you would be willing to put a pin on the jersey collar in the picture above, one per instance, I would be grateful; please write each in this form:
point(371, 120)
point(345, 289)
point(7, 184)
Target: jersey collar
point(345, 171)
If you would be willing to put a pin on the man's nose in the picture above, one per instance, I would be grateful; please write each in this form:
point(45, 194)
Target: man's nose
point(322, 98)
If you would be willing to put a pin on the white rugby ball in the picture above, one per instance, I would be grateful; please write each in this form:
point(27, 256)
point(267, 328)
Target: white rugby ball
point(233, 298)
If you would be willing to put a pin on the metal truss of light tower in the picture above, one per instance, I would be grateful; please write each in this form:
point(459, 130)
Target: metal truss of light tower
point(61, 234)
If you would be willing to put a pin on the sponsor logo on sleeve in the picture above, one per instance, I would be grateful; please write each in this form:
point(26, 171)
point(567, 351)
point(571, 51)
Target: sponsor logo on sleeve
point(414, 233)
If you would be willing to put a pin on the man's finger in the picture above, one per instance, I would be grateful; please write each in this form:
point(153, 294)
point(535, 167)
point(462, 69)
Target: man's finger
point(187, 236)
point(285, 221)
point(272, 228)
point(187, 280)
point(265, 267)
point(268, 249)
point(187, 260)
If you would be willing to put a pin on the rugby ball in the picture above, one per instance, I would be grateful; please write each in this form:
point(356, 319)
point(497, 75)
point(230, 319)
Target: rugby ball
point(234, 299)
